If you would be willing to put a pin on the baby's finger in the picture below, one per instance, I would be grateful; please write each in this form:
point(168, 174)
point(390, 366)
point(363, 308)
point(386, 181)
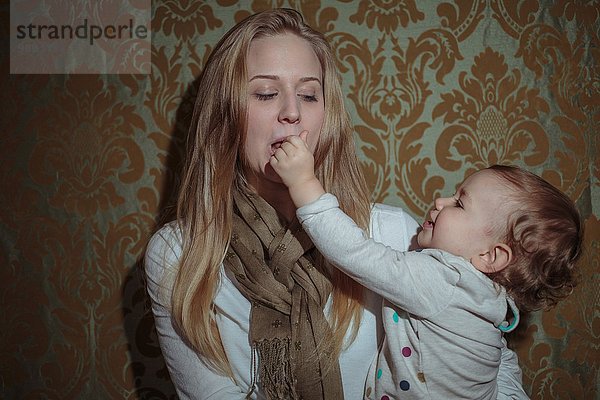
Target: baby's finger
point(293, 140)
point(273, 160)
point(287, 150)
point(279, 154)
point(289, 145)
point(304, 136)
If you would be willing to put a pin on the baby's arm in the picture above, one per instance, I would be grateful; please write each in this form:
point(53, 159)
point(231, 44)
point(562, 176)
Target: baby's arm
point(348, 247)
point(294, 163)
point(416, 282)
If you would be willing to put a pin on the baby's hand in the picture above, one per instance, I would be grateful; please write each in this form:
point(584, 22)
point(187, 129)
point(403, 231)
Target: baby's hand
point(295, 164)
point(293, 161)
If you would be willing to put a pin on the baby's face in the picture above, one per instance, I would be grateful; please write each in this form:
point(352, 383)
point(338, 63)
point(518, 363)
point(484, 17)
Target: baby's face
point(471, 221)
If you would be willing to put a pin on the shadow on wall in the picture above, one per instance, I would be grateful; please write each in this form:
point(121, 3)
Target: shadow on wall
point(150, 374)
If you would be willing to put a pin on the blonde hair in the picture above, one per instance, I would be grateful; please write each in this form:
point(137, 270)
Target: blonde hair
point(214, 169)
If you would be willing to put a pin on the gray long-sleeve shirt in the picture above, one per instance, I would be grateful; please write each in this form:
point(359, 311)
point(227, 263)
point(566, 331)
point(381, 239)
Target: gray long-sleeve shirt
point(441, 315)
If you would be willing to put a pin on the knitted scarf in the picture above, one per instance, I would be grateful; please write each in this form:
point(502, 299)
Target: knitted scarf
point(274, 271)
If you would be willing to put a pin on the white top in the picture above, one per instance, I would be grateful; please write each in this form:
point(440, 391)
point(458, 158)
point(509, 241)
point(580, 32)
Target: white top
point(194, 380)
point(440, 314)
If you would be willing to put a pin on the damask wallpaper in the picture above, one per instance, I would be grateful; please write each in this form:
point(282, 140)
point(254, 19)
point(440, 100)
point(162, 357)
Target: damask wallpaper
point(436, 89)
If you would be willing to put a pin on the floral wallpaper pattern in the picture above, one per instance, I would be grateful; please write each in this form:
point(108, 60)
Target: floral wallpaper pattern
point(436, 89)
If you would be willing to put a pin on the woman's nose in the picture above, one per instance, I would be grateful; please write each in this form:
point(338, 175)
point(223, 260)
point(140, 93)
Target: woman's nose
point(290, 110)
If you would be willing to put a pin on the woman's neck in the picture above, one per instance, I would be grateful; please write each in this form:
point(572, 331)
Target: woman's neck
point(277, 195)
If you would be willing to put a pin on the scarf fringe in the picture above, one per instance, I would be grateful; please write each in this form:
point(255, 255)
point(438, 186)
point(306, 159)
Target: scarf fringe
point(275, 369)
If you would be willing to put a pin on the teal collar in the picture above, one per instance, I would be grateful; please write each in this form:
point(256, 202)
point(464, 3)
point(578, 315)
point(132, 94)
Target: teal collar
point(511, 324)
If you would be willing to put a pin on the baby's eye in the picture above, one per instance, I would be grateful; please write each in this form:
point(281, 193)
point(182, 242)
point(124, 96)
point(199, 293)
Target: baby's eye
point(265, 96)
point(458, 203)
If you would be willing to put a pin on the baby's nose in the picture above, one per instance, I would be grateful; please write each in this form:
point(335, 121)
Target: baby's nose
point(442, 202)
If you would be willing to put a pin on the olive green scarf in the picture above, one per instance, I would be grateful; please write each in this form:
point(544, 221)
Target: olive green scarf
point(274, 271)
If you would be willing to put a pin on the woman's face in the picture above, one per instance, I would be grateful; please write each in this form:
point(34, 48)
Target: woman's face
point(285, 89)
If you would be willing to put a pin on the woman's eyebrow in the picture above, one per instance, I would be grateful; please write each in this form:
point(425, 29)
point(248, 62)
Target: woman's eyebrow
point(270, 77)
point(310, 79)
point(276, 78)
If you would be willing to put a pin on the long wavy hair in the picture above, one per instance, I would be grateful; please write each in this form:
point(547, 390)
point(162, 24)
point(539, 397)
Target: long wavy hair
point(214, 169)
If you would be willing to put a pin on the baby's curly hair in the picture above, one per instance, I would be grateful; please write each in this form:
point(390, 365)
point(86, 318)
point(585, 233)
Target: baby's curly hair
point(545, 234)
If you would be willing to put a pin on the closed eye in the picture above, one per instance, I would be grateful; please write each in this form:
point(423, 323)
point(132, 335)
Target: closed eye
point(458, 203)
point(265, 96)
point(309, 98)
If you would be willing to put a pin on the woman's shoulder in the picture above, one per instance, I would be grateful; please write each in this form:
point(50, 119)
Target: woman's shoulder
point(169, 235)
point(386, 209)
point(392, 226)
point(164, 249)
point(384, 214)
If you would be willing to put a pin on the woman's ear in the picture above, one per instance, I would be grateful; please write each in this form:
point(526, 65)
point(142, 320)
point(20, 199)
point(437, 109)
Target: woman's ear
point(494, 260)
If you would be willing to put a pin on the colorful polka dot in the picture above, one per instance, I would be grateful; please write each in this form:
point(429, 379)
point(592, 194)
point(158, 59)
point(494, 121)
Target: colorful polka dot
point(395, 317)
point(406, 351)
point(404, 385)
point(379, 373)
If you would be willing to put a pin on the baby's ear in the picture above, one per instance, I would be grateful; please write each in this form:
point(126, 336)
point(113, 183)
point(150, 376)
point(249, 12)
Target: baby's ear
point(494, 260)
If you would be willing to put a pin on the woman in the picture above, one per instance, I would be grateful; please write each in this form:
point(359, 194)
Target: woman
point(244, 305)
